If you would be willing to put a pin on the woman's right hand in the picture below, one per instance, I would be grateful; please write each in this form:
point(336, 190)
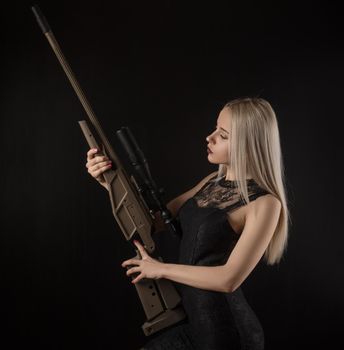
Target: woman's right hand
point(97, 165)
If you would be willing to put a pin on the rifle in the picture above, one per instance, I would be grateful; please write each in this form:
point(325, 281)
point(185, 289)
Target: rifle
point(132, 203)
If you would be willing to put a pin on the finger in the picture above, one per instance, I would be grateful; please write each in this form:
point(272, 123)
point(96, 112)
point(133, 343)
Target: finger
point(101, 170)
point(94, 167)
point(131, 262)
point(96, 160)
point(133, 270)
point(138, 278)
point(98, 166)
point(91, 153)
point(140, 248)
point(126, 263)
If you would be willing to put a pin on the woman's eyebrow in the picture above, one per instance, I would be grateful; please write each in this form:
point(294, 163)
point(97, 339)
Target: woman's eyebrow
point(223, 129)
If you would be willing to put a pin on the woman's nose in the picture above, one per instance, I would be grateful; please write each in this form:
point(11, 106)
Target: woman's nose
point(208, 138)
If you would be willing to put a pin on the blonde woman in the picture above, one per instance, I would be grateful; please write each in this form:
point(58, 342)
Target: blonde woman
point(230, 220)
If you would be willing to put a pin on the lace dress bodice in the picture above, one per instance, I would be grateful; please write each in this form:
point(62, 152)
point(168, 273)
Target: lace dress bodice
point(216, 321)
point(224, 194)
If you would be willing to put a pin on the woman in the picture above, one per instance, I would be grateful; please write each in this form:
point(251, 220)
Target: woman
point(230, 220)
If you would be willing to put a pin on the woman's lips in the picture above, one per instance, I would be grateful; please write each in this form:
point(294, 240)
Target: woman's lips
point(209, 151)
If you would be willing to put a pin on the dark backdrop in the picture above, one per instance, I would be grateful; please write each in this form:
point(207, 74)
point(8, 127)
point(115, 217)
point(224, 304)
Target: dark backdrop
point(165, 69)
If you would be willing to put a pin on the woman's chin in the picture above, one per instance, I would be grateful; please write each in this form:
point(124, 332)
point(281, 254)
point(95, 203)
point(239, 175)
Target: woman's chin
point(210, 160)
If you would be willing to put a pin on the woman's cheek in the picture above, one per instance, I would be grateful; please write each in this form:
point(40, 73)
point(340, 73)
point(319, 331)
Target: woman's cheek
point(223, 152)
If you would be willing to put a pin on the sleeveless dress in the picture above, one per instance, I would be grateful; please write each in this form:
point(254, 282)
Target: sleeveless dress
point(215, 320)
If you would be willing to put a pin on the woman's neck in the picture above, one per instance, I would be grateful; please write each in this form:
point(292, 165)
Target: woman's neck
point(230, 176)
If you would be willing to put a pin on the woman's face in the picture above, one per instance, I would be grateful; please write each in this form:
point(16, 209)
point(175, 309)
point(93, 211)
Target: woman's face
point(218, 139)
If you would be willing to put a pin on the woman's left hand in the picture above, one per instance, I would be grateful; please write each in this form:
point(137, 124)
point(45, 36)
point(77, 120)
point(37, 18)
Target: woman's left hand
point(147, 266)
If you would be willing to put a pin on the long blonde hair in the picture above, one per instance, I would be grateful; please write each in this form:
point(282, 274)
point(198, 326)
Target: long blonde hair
point(254, 147)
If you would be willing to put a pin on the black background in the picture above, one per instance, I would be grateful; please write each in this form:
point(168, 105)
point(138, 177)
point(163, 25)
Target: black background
point(165, 69)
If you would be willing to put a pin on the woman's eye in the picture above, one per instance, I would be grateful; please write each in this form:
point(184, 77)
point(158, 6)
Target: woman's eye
point(223, 137)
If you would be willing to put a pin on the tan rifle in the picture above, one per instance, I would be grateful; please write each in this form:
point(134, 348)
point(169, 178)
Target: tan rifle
point(132, 205)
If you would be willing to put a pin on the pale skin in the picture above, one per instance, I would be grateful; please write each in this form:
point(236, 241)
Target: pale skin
point(256, 222)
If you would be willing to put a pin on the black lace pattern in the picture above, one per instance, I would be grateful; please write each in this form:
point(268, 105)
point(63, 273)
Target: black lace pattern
point(224, 194)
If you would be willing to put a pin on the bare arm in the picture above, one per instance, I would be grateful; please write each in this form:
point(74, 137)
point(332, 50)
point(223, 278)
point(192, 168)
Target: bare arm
point(260, 225)
point(261, 222)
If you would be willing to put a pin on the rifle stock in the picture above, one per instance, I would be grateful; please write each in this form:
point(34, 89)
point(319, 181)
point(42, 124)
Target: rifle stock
point(160, 299)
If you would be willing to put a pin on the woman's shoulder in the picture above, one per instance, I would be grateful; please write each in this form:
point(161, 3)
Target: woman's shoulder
point(266, 201)
point(176, 204)
point(202, 183)
point(209, 177)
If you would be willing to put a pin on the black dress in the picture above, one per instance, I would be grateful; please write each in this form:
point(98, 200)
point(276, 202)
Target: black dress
point(215, 320)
